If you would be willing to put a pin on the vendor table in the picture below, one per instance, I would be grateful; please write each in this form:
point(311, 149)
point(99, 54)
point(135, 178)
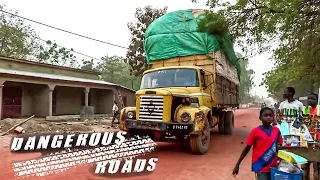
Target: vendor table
point(310, 154)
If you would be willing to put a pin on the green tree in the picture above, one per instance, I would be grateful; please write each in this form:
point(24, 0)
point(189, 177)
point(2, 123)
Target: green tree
point(17, 39)
point(246, 80)
point(51, 53)
point(115, 70)
point(143, 18)
point(88, 65)
point(257, 25)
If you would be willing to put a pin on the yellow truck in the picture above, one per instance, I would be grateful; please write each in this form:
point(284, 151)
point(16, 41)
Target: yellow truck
point(183, 96)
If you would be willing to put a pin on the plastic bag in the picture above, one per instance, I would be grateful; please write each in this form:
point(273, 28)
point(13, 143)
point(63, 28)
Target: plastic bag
point(287, 167)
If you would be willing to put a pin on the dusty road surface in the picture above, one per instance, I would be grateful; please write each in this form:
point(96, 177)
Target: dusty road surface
point(175, 160)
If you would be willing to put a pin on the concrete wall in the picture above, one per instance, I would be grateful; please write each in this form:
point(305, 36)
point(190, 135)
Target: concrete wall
point(24, 65)
point(68, 100)
point(102, 100)
point(40, 101)
point(34, 98)
point(130, 95)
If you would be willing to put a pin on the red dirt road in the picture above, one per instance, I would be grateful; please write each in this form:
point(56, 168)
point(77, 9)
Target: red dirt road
point(175, 159)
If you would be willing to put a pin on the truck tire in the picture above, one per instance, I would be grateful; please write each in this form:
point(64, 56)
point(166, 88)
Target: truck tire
point(221, 126)
point(200, 143)
point(229, 123)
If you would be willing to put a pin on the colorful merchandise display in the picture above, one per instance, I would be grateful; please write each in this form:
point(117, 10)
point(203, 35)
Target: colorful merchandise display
point(299, 128)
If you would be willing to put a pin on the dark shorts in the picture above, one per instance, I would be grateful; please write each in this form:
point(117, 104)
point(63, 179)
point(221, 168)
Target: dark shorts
point(115, 114)
point(263, 176)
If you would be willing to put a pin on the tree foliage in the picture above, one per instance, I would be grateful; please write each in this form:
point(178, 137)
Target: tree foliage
point(246, 80)
point(136, 55)
point(115, 70)
point(294, 25)
point(88, 65)
point(50, 52)
point(19, 40)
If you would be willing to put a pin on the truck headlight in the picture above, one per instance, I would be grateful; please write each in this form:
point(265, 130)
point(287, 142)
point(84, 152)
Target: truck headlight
point(185, 117)
point(131, 115)
point(194, 102)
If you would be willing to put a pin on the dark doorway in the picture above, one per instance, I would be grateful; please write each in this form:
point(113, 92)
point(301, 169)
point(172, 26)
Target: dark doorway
point(11, 101)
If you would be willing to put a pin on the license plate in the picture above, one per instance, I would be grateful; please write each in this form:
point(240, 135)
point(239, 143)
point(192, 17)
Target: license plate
point(179, 127)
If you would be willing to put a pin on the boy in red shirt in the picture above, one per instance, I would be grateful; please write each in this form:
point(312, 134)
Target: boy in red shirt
point(264, 140)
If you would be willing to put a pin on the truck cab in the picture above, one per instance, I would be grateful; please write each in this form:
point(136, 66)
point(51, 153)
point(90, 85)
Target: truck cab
point(166, 90)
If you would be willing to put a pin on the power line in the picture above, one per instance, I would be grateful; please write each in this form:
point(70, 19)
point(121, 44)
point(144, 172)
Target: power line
point(74, 51)
point(65, 30)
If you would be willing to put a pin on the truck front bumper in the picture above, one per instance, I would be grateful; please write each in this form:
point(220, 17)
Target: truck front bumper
point(159, 126)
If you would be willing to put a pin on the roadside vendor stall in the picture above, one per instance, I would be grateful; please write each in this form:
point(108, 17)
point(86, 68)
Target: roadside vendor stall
point(300, 130)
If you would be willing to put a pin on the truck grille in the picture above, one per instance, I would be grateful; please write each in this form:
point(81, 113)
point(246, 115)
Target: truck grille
point(151, 108)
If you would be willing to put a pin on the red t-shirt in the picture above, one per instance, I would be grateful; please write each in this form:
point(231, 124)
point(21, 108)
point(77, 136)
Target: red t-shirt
point(313, 111)
point(264, 142)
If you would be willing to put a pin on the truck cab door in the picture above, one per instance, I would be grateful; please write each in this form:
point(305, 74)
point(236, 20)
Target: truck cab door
point(205, 90)
point(212, 90)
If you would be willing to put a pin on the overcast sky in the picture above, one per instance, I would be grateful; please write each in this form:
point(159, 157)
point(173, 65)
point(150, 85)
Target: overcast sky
point(106, 21)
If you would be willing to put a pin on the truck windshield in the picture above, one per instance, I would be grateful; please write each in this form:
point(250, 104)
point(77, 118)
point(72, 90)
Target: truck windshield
point(170, 78)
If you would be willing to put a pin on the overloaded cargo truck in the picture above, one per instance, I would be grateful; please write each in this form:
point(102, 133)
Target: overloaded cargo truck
point(191, 87)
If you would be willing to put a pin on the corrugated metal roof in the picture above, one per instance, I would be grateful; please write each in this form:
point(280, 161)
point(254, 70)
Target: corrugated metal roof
point(56, 77)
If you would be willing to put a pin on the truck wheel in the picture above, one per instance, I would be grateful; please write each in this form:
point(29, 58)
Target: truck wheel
point(229, 123)
point(221, 126)
point(200, 143)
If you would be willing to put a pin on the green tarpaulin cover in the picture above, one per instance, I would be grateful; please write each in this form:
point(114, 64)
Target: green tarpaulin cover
point(176, 34)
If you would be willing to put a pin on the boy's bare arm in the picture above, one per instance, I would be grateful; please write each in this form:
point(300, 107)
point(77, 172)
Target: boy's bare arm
point(243, 154)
